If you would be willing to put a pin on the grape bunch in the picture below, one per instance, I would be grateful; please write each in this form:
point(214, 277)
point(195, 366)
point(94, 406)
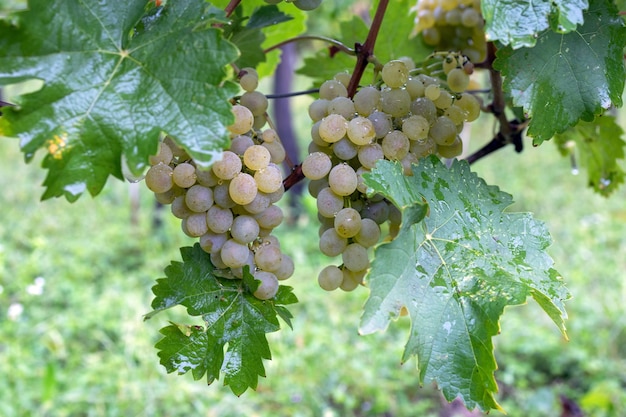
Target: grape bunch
point(406, 117)
point(452, 25)
point(230, 207)
point(300, 4)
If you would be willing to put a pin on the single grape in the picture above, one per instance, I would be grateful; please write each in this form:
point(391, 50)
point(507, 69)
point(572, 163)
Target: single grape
point(451, 151)
point(351, 279)
point(240, 143)
point(219, 219)
point(381, 122)
point(331, 244)
point(395, 73)
point(244, 229)
point(344, 149)
point(366, 100)
point(415, 127)
point(368, 155)
point(270, 218)
point(199, 198)
point(228, 166)
point(355, 257)
point(249, 81)
point(255, 101)
point(179, 208)
point(221, 196)
point(347, 222)
point(243, 188)
point(343, 106)
point(316, 165)
point(268, 179)
point(426, 108)
point(328, 203)
point(395, 101)
point(159, 178)
point(342, 179)
point(330, 278)
point(164, 155)
point(369, 234)
point(268, 287)
point(195, 225)
point(277, 151)
point(457, 80)
point(212, 242)
point(318, 109)
point(268, 257)
point(443, 131)
point(331, 89)
point(234, 254)
point(256, 157)
point(260, 203)
point(361, 131)
point(244, 119)
point(333, 127)
point(286, 268)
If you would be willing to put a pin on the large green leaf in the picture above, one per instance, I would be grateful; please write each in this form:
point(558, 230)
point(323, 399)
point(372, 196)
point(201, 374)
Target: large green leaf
point(518, 23)
point(115, 76)
point(568, 77)
point(455, 271)
point(598, 146)
point(232, 315)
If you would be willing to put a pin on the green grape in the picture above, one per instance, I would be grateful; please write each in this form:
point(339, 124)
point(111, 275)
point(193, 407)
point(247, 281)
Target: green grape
point(344, 149)
point(395, 73)
point(206, 177)
point(366, 100)
point(307, 4)
point(328, 203)
point(268, 287)
point(184, 175)
point(239, 144)
point(268, 179)
point(431, 36)
point(277, 151)
point(432, 92)
point(351, 280)
point(395, 102)
point(457, 80)
point(422, 148)
point(369, 234)
point(318, 109)
point(368, 155)
point(470, 17)
point(164, 155)
point(330, 278)
point(229, 166)
point(331, 244)
point(456, 114)
point(316, 165)
point(268, 257)
point(243, 188)
point(343, 106)
point(260, 203)
point(234, 254)
point(333, 127)
point(255, 101)
point(342, 179)
point(451, 151)
point(179, 208)
point(343, 78)
point(347, 222)
point(212, 242)
point(381, 122)
point(244, 229)
point(444, 100)
point(269, 218)
point(195, 225)
point(269, 135)
point(199, 198)
point(470, 105)
point(256, 157)
point(415, 87)
point(159, 178)
point(425, 108)
point(377, 211)
point(395, 145)
point(415, 127)
point(443, 131)
point(331, 89)
point(249, 81)
point(286, 268)
point(219, 219)
point(221, 196)
point(361, 131)
point(244, 119)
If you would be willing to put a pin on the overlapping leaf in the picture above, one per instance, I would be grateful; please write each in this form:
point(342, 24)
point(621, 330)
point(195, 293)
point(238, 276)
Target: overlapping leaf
point(518, 23)
point(232, 315)
point(457, 261)
point(598, 146)
point(115, 76)
point(568, 77)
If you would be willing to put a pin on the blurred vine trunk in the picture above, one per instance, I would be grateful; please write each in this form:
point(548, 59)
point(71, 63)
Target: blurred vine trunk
point(283, 119)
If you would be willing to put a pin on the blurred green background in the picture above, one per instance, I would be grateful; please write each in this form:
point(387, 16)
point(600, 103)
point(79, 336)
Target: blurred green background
point(75, 282)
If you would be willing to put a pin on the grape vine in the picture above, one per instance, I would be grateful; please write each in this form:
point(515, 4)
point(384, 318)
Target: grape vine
point(169, 91)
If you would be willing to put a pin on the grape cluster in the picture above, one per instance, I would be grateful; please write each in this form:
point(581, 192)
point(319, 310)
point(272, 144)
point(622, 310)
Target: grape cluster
point(230, 207)
point(452, 25)
point(300, 4)
point(405, 118)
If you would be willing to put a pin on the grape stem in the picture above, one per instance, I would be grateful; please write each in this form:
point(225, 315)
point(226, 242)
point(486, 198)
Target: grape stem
point(510, 132)
point(366, 51)
point(338, 45)
point(231, 6)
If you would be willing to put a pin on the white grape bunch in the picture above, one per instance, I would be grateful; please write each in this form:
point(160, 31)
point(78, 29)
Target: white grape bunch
point(230, 207)
point(406, 116)
point(452, 25)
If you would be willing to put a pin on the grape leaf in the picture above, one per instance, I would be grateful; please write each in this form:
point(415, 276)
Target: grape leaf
point(233, 317)
point(518, 23)
point(455, 271)
point(110, 90)
point(597, 147)
point(570, 77)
